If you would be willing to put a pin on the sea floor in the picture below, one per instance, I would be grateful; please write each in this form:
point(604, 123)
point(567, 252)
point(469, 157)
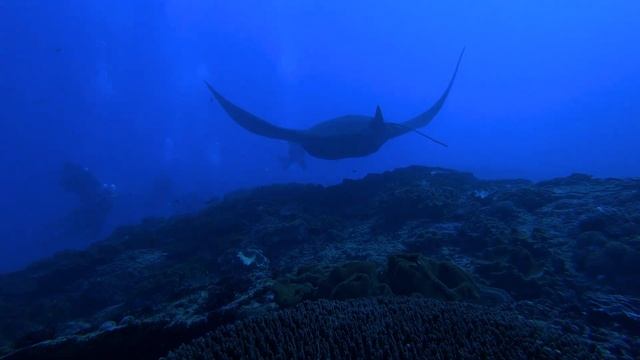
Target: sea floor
point(412, 263)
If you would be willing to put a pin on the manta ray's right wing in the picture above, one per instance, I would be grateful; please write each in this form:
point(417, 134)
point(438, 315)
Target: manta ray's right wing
point(426, 117)
point(255, 124)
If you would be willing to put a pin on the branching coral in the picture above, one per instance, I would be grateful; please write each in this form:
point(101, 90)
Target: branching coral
point(384, 328)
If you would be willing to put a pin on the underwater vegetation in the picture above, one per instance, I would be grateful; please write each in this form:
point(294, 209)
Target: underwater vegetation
point(394, 265)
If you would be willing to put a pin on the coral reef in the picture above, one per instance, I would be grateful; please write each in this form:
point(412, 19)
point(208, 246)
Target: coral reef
point(563, 252)
point(404, 274)
point(412, 273)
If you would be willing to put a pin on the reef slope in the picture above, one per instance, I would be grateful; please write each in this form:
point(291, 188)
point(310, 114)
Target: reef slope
point(564, 253)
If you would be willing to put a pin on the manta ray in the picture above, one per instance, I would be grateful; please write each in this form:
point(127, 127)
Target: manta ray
point(343, 137)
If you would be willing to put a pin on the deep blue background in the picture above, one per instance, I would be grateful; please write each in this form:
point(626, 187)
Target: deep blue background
point(546, 88)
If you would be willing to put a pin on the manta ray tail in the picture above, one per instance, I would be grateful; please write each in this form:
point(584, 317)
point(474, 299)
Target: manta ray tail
point(426, 117)
point(253, 123)
point(406, 129)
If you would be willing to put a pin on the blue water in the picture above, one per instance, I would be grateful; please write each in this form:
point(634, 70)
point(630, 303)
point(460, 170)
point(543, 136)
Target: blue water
point(546, 89)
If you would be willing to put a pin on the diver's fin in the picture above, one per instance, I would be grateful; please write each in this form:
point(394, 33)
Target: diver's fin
point(426, 117)
point(253, 123)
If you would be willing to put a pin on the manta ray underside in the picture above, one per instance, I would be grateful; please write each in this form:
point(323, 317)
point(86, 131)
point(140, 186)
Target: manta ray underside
point(343, 137)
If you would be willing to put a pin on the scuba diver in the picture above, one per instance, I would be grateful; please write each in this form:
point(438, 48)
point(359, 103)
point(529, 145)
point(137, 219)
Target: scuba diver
point(95, 202)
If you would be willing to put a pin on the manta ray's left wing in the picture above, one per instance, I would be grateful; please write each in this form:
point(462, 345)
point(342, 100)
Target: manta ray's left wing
point(255, 124)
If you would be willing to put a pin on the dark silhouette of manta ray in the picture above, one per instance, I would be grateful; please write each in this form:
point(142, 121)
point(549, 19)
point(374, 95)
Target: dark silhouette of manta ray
point(343, 137)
